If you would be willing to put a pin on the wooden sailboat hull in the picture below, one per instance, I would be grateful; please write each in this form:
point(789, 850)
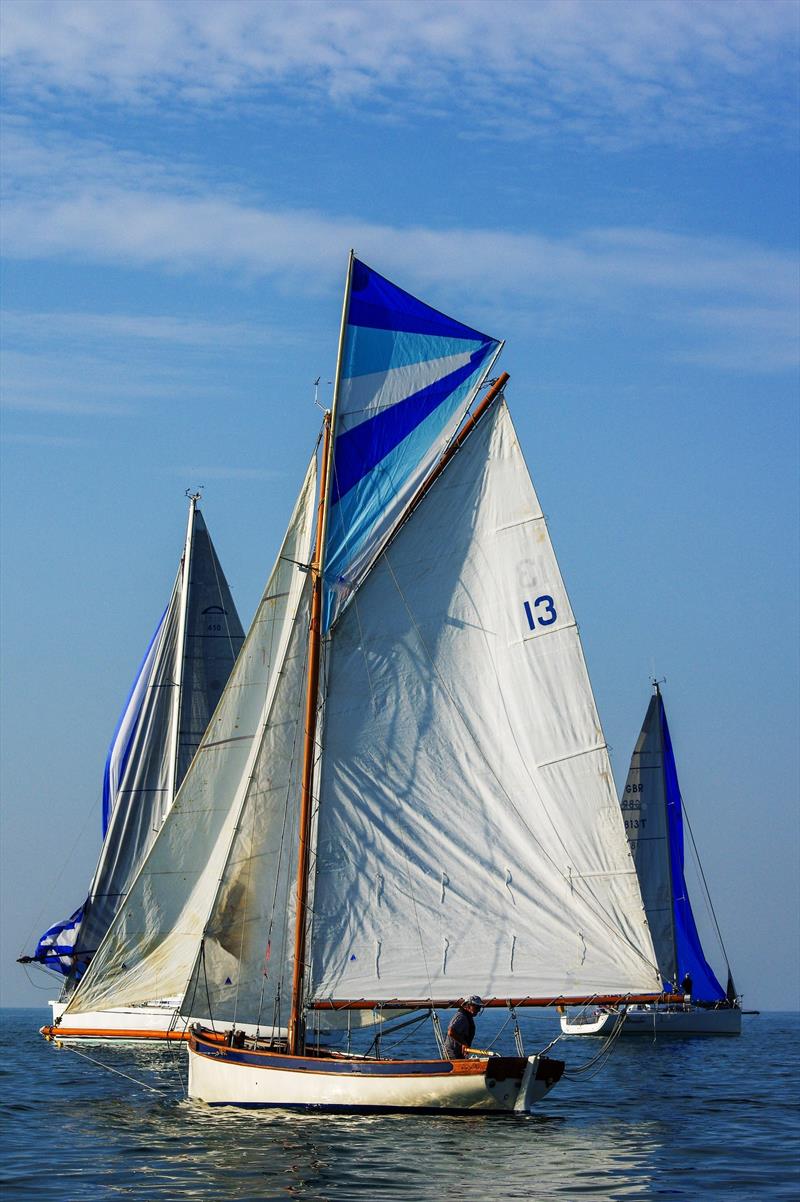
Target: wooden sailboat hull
point(225, 1076)
point(640, 1020)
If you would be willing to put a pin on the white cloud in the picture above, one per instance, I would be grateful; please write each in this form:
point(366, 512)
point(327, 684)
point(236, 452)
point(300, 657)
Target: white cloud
point(108, 328)
point(611, 72)
point(737, 295)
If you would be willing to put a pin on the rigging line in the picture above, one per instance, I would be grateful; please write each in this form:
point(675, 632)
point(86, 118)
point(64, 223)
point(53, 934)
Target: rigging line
point(243, 916)
point(215, 564)
point(291, 785)
point(709, 902)
point(260, 735)
point(66, 1048)
point(270, 648)
point(598, 1061)
point(599, 911)
point(416, 919)
point(205, 981)
point(67, 861)
point(354, 595)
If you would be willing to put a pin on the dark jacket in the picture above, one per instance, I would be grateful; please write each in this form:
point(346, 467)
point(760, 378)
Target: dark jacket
point(460, 1035)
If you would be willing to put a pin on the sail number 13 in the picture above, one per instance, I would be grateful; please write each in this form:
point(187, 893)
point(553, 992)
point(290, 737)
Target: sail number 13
point(541, 613)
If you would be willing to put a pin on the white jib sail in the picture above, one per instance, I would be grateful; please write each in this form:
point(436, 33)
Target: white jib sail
point(470, 838)
point(150, 948)
point(644, 811)
point(244, 966)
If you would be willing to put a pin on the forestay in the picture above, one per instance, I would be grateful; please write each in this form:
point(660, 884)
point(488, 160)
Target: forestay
point(470, 839)
point(408, 374)
point(151, 947)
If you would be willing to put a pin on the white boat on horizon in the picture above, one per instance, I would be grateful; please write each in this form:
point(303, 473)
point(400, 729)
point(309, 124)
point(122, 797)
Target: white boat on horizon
point(655, 1019)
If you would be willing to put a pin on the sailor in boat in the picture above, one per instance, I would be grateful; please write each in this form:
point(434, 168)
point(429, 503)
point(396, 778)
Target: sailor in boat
point(461, 1031)
point(686, 988)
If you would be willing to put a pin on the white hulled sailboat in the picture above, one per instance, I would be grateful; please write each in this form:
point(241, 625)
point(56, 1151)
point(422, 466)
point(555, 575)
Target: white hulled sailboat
point(176, 689)
point(653, 812)
point(427, 810)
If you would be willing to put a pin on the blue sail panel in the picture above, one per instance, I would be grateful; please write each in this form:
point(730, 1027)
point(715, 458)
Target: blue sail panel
point(125, 732)
point(408, 377)
point(688, 948)
point(56, 947)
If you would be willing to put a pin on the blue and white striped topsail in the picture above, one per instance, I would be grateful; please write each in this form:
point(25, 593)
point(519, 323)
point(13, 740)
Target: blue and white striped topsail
point(408, 376)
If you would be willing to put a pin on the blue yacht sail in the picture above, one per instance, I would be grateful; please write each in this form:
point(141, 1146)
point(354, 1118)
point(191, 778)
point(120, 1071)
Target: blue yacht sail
point(653, 812)
point(688, 948)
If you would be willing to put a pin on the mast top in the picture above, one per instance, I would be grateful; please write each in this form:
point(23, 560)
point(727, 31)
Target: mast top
point(655, 683)
point(194, 497)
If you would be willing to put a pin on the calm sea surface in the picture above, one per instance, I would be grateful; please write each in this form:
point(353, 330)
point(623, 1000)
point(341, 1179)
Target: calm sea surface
point(683, 1119)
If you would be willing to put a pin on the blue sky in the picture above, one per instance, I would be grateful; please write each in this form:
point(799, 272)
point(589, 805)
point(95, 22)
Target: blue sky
point(610, 187)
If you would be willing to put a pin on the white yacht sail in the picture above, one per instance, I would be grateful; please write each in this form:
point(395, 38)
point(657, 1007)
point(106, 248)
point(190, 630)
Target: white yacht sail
point(469, 835)
point(150, 948)
point(175, 692)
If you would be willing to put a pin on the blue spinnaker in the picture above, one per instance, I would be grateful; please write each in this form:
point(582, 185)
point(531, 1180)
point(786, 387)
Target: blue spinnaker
point(408, 377)
point(126, 728)
point(688, 949)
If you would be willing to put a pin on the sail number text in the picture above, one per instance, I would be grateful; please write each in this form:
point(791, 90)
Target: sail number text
point(541, 613)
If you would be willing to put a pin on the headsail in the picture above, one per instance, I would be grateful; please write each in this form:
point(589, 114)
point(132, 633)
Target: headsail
point(176, 689)
point(469, 836)
point(151, 946)
point(653, 811)
point(408, 375)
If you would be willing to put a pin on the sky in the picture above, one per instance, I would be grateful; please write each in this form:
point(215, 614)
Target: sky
point(610, 187)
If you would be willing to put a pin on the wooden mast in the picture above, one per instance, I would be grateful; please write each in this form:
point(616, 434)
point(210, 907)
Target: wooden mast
point(296, 1031)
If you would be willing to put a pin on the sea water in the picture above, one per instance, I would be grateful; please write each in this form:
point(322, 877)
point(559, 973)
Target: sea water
point(701, 1119)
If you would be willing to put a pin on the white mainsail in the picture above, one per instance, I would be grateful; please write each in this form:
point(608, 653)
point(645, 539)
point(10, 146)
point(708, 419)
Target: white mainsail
point(151, 947)
point(469, 838)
